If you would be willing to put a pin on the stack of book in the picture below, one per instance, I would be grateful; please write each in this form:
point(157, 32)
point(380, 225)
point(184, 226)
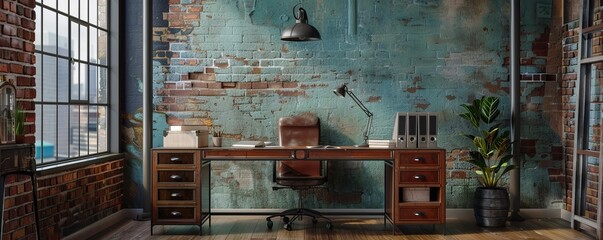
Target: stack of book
point(382, 143)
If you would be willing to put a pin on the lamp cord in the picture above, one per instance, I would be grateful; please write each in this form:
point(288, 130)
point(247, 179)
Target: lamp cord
point(293, 10)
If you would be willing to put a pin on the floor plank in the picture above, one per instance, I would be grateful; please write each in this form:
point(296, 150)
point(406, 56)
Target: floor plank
point(344, 228)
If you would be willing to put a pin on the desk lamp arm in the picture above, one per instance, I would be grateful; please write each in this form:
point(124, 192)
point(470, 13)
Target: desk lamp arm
point(368, 113)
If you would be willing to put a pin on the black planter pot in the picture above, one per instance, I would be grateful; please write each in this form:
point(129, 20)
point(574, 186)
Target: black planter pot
point(491, 206)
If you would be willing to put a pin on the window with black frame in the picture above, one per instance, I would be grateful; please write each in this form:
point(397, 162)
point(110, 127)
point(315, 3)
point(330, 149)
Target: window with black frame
point(72, 79)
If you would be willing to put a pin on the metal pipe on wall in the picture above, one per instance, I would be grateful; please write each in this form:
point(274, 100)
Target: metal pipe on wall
point(147, 101)
point(352, 14)
point(514, 185)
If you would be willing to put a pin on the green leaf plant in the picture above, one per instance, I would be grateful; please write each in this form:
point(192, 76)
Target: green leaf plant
point(492, 145)
point(19, 121)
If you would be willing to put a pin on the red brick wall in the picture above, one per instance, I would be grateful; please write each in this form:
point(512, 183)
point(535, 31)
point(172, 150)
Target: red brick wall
point(72, 200)
point(67, 201)
point(568, 87)
point(17, 25)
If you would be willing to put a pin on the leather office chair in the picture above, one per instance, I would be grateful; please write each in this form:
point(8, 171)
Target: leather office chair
point(300, 175)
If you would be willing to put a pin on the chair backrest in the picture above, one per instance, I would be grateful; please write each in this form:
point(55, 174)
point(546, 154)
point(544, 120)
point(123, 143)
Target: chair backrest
point(300, 130)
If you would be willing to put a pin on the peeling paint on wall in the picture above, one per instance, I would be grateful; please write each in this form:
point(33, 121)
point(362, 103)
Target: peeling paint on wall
point(231, 70)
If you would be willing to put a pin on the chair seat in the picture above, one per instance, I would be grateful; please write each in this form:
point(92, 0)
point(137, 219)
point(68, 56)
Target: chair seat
point(300, 175)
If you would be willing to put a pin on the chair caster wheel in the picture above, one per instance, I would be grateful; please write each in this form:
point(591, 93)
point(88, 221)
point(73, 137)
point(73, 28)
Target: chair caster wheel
point(287, 227)
point(329, 226)
point(269, 224)
point(285, 219)
point(314, 221)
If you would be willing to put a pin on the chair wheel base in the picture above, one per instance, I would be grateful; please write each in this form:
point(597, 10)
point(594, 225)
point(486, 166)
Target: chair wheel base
point(330, 226)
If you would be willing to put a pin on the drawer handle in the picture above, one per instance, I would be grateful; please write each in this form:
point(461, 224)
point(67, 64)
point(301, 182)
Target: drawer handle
point(175, 159)
point(176, 195)
point(419, 177)
point(418, 214)
point(418, 159)
point(176, 213)
point(176, 177)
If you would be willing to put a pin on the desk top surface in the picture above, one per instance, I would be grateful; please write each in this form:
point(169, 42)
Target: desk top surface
point(301, 152)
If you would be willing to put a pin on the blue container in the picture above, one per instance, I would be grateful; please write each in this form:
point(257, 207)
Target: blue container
point(45, 148)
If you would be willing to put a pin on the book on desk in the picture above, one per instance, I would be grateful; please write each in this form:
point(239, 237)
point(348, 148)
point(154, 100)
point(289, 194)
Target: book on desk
point(249, 144)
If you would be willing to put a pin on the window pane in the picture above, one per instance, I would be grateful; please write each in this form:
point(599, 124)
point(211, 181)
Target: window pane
point(75, 81)
point(62, 146)
point(75, 40)
point(93, 12)
point(38, 134)
point(74, 131)
point(63, 38)
point(74, 8)
point(102, 129)
point(84, 10)
point(49, 132)
point(63, 80)
point(93, 45)
point(93, 130)
point(63, 130)
point(593, 106)
point(102, 13)
point(38, 32)
point(39, 79)
point(93, 83)
point(83, 43)
point(102, 85)
point(49, 26)
point(102, 47)
point(83, 84)
point(49, 76)
point(83, 130)
point(51, 3)
point(64, 6)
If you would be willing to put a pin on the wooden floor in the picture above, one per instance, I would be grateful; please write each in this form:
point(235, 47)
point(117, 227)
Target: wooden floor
point(254, 228)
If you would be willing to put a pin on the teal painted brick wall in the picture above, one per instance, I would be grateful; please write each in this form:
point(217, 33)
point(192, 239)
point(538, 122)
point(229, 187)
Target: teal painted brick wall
point(222, 63)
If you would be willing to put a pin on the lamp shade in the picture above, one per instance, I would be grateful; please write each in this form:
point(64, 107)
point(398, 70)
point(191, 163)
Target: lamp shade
point(301, 30)
point(340, 91)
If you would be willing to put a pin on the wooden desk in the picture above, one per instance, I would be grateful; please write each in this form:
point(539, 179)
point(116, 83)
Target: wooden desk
point(415, 180)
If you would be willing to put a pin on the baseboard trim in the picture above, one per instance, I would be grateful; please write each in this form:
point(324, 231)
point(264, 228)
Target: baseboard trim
point(566, 215)
point(103, 224)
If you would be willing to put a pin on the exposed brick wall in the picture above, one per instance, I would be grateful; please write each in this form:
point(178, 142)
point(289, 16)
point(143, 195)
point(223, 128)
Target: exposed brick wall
point(67, 201)
point(19, 216)
point(568, 89)
point(17, 25)
point(72, 200)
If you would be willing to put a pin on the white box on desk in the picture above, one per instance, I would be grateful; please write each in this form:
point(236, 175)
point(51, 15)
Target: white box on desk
point(185, 139)
point(415, 194)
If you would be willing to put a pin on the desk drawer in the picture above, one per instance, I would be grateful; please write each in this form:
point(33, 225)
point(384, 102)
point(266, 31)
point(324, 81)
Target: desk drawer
point(176, 176)
point(176, 158)
point(420, 177)
point(176, 195)
point(418, 159)
point(176, 213)
point(419, 213)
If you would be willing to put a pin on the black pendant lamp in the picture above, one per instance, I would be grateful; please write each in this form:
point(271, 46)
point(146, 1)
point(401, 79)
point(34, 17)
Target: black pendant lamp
point(301, 30)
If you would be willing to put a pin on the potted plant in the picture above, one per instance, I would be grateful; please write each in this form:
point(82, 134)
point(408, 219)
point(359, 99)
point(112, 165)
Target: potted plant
point(490, 157)
point(216, 137)
point(19, 124)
